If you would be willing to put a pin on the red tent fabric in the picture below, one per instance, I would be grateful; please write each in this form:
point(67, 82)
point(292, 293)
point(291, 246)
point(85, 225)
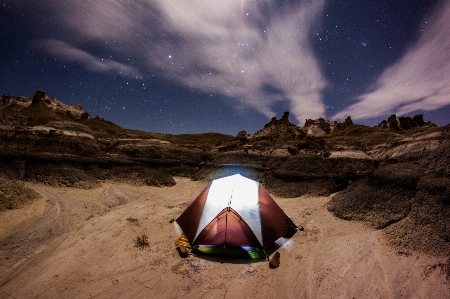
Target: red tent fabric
point(235, 211)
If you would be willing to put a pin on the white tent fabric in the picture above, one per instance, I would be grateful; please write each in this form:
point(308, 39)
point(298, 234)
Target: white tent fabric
point(238, 193)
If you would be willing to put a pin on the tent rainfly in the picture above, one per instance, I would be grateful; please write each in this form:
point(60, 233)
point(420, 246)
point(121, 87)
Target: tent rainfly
point(233, 213)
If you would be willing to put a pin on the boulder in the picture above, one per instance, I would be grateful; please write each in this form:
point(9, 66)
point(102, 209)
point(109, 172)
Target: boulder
point(183, 251)
point(274, 262)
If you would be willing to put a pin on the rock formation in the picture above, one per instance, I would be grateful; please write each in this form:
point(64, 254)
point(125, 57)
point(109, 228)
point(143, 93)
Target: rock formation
point(418, 119)
point(321, 126)
point(408, 195)
point(75, 112)
point(392, 122)
point(348, 121)
point(242, 136)
point(288, 160)
point(282, 127)
point(383, 124)
point(404, 122)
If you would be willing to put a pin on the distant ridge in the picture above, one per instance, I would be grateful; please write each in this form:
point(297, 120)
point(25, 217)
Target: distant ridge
point(75, 112)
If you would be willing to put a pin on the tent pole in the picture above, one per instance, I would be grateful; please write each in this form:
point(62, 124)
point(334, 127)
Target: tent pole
point(226, 226)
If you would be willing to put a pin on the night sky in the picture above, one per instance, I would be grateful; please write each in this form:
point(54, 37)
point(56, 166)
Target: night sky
point(177, 66)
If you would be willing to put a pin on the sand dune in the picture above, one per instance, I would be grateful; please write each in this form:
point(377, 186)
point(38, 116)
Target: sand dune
point(82, 246)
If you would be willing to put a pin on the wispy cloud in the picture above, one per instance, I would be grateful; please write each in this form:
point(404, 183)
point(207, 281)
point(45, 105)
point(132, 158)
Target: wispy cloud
point(69, 53)
point(256, 52)
point(419, 80)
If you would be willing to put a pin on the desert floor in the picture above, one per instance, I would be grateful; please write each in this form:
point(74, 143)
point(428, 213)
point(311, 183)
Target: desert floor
point(77, 243)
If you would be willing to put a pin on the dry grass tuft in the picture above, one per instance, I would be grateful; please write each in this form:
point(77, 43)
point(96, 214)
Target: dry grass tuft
point(133, 221)
point(141, 242)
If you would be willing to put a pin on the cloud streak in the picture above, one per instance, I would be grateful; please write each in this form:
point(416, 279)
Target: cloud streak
point(255, 52)
point(90, 62)
point(231, 53)
point(418, 81)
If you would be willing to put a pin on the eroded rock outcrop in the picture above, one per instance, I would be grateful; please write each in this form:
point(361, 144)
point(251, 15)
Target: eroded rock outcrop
point(404, 122)
point(408, 196)
point(289, 161)
point(348, 121)
point(392, 122)
point(42, 141)
point(322, 127)
point(319, 126)
point(282, 127)
point(14, 195)
point(396, 179)
point(74, 112)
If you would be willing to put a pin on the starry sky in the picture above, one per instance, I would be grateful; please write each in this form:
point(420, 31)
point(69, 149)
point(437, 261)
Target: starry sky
point(176, 66)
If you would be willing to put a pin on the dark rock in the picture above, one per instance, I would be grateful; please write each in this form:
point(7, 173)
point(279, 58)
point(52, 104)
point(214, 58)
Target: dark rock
point(274, 261)
point(183, 251)
point(377, 199)
point(38, 96)
point(272, 122)
point(418, 119)
point(293, 151)
point(392, 122)
point(383, 124)
point(406, 123)
point(278, 130)
point(409, 199)
point(348, 121)
point(311, 174)
point(285, 118)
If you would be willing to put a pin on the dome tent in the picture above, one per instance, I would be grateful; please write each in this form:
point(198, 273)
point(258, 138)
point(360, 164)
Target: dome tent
point(231, 215)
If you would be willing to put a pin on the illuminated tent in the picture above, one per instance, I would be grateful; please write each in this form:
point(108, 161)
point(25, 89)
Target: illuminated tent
point(233, 213)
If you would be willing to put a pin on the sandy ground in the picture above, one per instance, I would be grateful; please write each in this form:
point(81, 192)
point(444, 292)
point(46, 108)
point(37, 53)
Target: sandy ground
point(15, 220)
point(82, 246)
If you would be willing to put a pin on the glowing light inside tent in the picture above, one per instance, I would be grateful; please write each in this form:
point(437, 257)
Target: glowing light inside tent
point(237, 192)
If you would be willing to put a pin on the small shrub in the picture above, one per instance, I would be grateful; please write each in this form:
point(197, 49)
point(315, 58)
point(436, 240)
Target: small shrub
point(141, 242)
